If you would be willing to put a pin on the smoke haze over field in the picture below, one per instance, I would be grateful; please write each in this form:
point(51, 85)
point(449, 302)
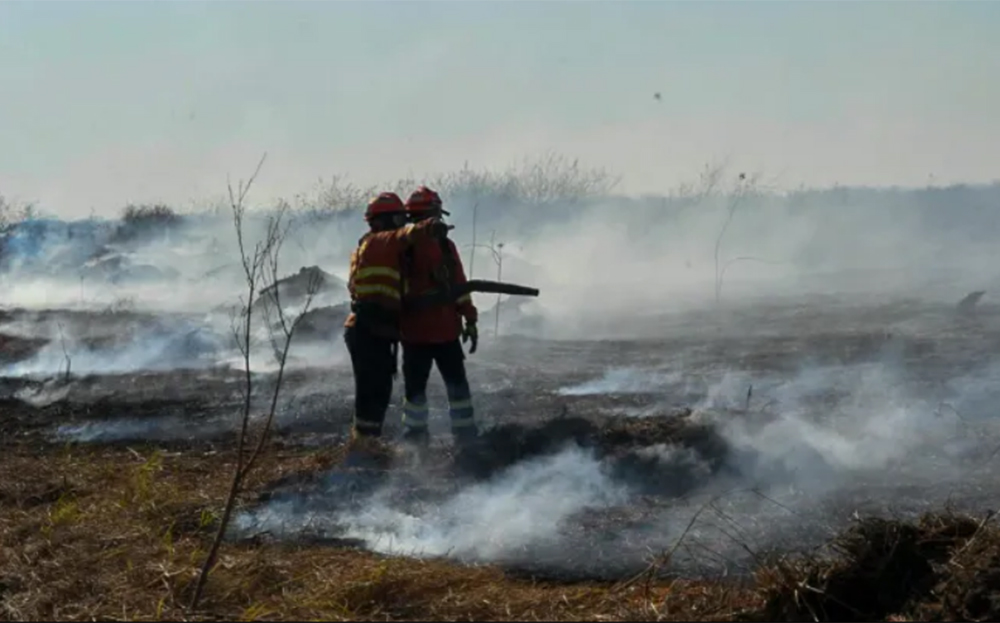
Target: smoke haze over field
point(650, 90)
point(602, 262)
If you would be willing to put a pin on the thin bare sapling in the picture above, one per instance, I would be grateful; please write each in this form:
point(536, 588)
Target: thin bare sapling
point(260, 268)
point(496, 251)
point(745, 186)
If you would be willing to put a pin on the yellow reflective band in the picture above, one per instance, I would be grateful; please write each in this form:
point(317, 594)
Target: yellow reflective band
point(460, 404)
point(366, 423)
point(465, 298)
point(377, 289)
point(412, 422)
point(414, 406)
point(377, 271)
point(407, 230)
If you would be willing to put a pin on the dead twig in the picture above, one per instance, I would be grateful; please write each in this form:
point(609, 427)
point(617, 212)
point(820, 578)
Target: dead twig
point(287, 326)
point(252, 270)
point(650, 571)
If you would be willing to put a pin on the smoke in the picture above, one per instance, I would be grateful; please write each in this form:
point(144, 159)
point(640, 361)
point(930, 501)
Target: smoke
point(151, 349)
point(647, 255)
point(810, 448)
point(652, 260)
point(623, 380)
point(618, 260)
point(825, 424)
point(503, 519)
point(902, 431)
point(812, 412)
point(496, 520)
point(155, 429)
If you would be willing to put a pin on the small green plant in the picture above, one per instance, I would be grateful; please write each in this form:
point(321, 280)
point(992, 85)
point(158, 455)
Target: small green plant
point(65, 511)
point(168, 540)
point(143, 480)
point(207, 519)
point(256, 611)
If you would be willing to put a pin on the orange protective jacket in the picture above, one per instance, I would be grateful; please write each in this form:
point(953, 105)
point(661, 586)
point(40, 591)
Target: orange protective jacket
point(425, 268)
point(375, 279)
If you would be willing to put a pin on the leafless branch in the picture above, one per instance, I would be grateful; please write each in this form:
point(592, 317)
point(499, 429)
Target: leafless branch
point(69, 360)
point(745, 186)
point(496, 251)
point(254, 269)
point(287, 326)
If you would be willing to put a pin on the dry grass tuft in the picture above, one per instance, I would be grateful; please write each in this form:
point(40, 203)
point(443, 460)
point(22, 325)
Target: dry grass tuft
point(886, 569)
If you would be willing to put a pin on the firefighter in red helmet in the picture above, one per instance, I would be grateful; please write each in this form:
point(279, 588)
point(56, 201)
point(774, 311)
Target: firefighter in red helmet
point(372, 329)
point(430, 334)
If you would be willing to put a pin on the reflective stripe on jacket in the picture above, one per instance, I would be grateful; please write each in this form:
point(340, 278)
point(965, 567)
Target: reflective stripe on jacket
point(375, 281)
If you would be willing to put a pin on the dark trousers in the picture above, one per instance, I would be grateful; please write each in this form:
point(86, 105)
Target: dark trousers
point(418, 359)
point(373, 359)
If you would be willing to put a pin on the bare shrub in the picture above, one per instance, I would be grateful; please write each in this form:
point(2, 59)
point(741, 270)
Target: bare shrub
point(14, 212)
point(121, 306)
point(745, 189)
point(11, 214)
point(145, 220)
point(260, 268)
point(149, 215)
point(551, 178)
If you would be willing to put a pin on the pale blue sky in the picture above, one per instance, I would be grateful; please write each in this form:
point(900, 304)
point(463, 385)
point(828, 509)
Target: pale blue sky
point(106, 102)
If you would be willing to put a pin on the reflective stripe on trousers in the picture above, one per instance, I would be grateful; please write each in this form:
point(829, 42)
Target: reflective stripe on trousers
point(415, 412)
point(367, 427)
point(460, 407)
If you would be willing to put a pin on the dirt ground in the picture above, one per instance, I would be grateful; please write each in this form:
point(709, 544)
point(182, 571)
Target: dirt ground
point(111, 486)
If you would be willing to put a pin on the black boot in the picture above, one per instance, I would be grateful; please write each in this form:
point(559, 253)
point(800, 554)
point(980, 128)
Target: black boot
point(367, 452)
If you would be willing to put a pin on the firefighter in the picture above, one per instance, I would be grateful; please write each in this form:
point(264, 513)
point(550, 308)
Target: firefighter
point(372, 329)
point(431, 333)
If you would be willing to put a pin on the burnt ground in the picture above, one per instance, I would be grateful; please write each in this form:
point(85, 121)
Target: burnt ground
point(601, 451)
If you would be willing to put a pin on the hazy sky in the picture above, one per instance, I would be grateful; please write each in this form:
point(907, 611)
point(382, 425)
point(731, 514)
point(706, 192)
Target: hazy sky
point(107, 102)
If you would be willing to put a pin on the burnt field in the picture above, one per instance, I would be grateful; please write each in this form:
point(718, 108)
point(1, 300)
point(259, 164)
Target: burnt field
point(709, 466)
point(734, 437)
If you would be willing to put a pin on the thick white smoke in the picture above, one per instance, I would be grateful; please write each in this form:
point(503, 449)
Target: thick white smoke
point(605, 264)
point(523, 507)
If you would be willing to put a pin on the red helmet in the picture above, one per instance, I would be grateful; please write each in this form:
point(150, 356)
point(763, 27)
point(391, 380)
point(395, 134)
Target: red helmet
point(424, 200)
point(385, 203)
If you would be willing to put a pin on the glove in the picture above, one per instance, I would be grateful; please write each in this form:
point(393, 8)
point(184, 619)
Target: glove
point(471, 332)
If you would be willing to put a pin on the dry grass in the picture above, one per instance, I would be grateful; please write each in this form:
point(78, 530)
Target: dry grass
point(942, 567)
point(118, 534)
